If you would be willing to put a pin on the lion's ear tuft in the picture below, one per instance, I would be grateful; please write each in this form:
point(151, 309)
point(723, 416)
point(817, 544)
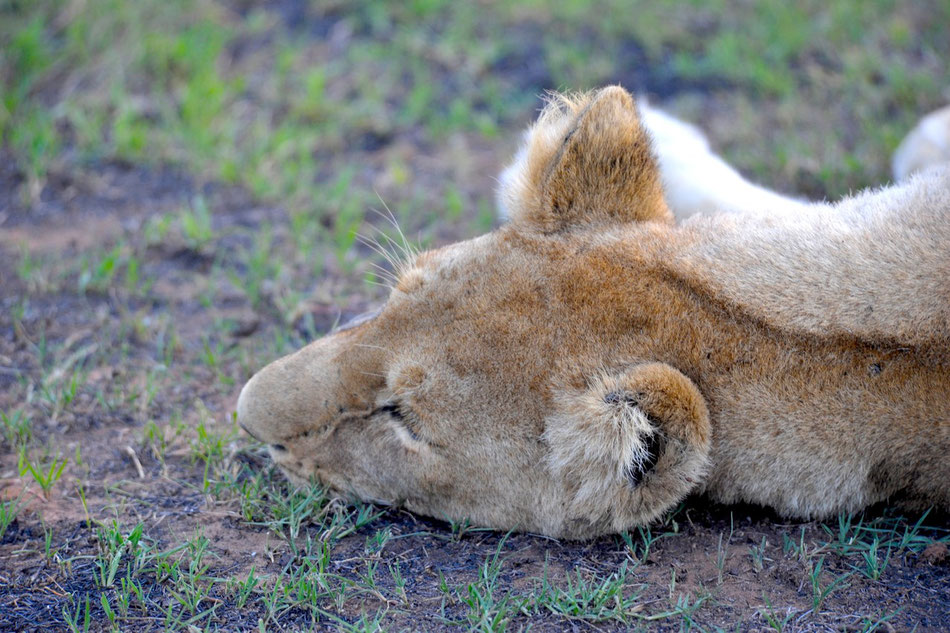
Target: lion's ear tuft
point(586, 161)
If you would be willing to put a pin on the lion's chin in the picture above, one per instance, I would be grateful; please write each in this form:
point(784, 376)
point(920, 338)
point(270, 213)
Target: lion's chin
point(333, 491)
point(297, 479)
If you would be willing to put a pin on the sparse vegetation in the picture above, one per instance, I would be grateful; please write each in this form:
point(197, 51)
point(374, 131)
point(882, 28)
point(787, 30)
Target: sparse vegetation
point(183, 186)
point(45, 475)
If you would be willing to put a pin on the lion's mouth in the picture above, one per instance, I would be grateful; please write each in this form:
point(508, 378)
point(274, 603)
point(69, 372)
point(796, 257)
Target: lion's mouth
point(250, 432)
point(294, 476)
point(331, 490)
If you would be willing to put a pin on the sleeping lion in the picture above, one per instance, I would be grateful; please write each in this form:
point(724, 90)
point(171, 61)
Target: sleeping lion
point(582, 368)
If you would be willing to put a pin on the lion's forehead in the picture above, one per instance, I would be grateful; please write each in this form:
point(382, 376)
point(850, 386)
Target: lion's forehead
point(448, 262)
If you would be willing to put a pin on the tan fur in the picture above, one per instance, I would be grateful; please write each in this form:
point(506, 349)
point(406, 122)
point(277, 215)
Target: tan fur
point(581, 369)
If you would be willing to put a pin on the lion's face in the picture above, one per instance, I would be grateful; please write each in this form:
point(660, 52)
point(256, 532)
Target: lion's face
point(437, 402)
point(506, 380)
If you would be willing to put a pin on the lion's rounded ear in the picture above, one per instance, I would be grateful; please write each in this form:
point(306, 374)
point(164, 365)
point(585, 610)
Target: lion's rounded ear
point(638, 440)
point(586, 161)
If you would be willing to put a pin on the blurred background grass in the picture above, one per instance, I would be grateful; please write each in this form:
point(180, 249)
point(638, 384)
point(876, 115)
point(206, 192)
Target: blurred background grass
point(287, 96)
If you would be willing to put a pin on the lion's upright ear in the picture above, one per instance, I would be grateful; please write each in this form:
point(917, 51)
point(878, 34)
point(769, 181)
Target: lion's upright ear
point(587, 161)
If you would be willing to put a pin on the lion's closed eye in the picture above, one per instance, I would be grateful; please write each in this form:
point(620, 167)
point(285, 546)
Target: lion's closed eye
point(403, 421)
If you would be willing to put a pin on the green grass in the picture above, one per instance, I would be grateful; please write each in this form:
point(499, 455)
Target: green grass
point(17, 428)
point(149, 81)
point(44, 474)
point(131, 348)
point(8, 513)
point(591, 599)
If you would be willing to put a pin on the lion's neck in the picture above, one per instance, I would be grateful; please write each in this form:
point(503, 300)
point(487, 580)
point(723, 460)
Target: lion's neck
point(875, 267)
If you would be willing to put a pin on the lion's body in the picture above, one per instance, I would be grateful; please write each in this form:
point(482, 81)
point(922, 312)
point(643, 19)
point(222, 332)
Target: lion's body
point(584, 367)
point(820, 406)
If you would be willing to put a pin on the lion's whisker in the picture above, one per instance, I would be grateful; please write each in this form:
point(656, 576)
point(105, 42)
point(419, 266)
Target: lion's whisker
point(381, 284)
point(409, 252)
point(389, 279)
point(374, 244)
point(398, 261)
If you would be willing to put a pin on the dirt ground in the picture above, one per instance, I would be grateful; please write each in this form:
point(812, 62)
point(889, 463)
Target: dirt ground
point(704, 556)
point(137, 296)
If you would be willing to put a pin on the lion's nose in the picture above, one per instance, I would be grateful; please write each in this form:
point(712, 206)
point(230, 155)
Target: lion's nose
point(245, 418)
point(303, 390)
point(273, 405)
point(249, 432)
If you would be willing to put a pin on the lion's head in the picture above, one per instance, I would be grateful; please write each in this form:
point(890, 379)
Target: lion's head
point(512, 379)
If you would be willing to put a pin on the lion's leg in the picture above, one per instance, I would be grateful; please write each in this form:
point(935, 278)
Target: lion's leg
point(928, 144)
point(697, 181)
